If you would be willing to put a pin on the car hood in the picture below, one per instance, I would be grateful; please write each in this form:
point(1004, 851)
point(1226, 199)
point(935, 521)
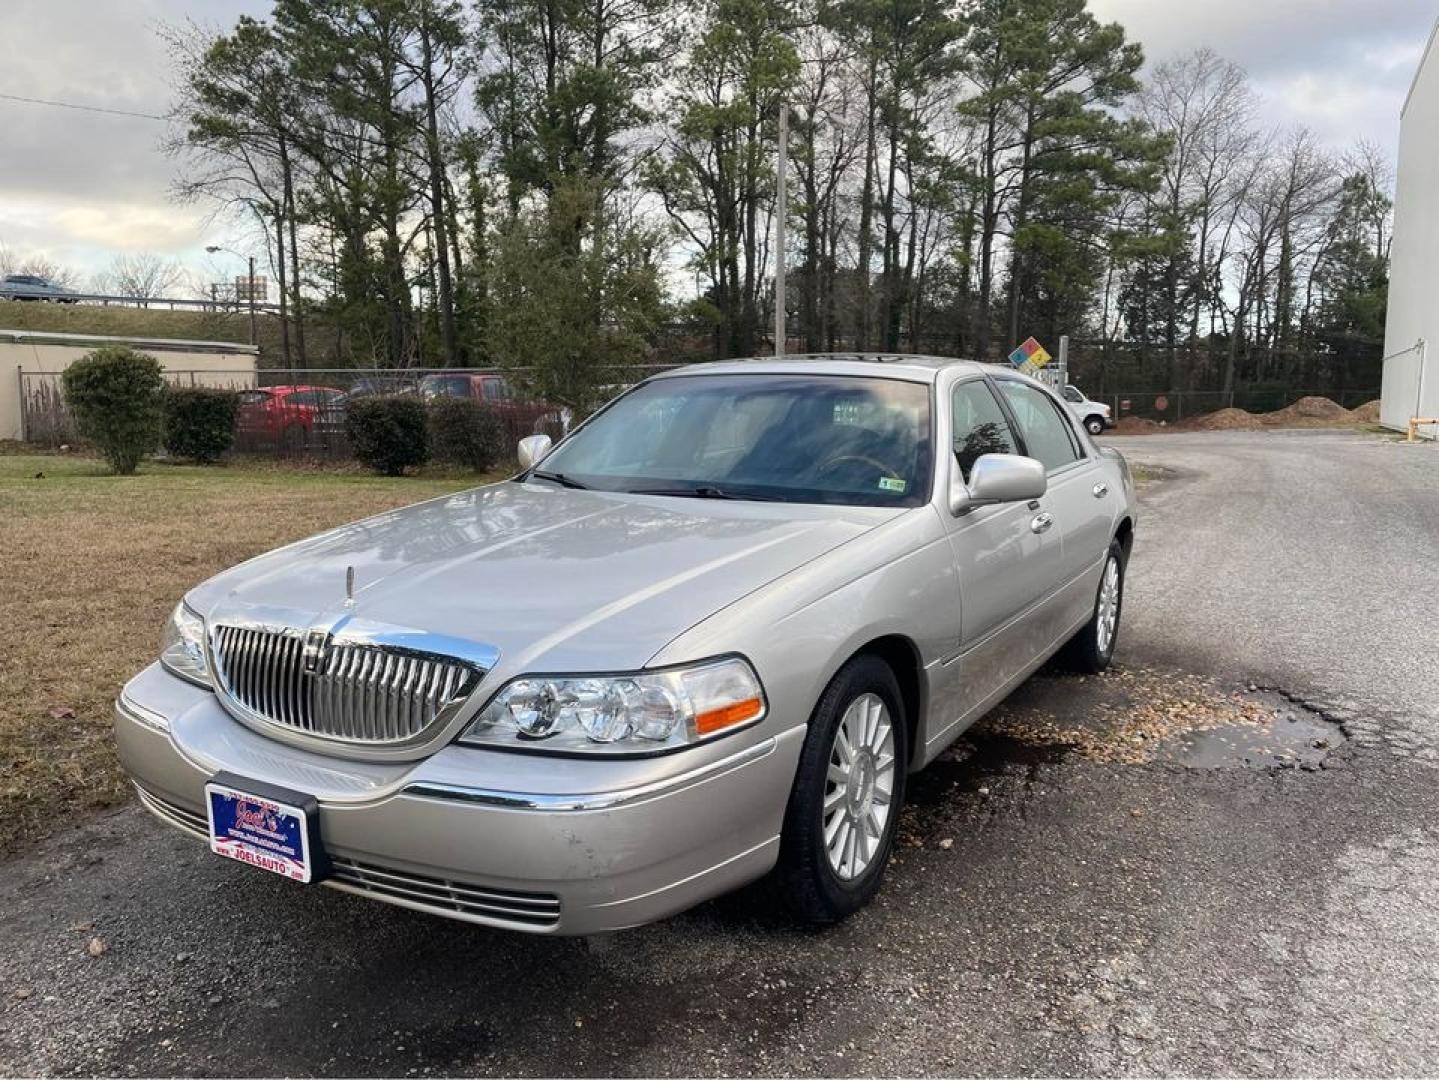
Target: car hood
point(556, 580)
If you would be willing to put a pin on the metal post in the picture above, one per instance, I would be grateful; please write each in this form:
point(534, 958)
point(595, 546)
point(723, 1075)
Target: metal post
point(20, 379)
point(1423, 347)
point(1063, 362)
point(254, 335)
point(780, 214)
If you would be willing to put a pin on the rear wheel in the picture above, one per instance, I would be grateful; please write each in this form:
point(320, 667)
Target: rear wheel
point(1091, 650)
point(844, 809)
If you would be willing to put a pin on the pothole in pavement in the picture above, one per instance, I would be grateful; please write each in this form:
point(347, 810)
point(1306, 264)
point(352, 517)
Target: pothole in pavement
point(1140, 716)
point(1128, 716)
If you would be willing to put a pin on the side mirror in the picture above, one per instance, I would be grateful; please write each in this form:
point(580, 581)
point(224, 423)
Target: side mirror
point(532, 450)
point(996, 478)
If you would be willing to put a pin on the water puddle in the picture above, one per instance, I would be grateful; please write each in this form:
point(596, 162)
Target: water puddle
point(1291, 737)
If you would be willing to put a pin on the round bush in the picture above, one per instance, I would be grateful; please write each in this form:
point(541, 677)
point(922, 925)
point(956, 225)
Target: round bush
point(388, 434)
point(199, 422)
point(464, 432)
point(117, 397)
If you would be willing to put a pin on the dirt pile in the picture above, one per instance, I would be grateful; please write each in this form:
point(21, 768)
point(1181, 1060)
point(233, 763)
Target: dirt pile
point(1368, 413)
point(1309, 412)
point(1137, 425)
point(1224, 420)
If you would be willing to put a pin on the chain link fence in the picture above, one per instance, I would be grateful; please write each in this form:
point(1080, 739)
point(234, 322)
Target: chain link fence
point(300, 413)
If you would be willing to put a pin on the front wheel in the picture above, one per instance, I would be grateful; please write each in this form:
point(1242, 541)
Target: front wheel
point(843, 812)
point(1094, 425)
point(1092, 648)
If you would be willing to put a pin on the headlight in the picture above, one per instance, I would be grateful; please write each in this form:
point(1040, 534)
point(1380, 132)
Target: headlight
point(182, 649)
point(621, 714)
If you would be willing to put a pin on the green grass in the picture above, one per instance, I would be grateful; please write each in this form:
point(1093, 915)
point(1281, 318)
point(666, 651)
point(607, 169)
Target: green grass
point(189, 325)
point(93, 564)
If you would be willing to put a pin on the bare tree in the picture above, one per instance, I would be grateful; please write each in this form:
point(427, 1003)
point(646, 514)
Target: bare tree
point(142, 275)
point(1203, 103)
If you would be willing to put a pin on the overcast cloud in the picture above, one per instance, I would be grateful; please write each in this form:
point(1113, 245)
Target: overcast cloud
point(80, 188)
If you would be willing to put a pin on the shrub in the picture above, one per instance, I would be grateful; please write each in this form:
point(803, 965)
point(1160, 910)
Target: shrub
point(388, 434)
point(464, 432)
point(117, 397)
point(199, 422)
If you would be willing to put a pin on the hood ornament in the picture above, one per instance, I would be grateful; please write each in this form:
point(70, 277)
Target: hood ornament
point(349, 586)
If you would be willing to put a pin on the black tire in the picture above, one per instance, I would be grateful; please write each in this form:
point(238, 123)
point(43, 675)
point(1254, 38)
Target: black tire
point(810, 886)
point(1094, 425)
point(1084, 652)
point(293, 440)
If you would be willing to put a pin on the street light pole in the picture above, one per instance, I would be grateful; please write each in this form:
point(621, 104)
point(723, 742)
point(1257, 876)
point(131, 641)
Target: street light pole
point(254, 333)
point(781, 213)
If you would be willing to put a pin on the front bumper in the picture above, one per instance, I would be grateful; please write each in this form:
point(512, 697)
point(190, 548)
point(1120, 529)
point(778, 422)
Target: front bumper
point(546, 845)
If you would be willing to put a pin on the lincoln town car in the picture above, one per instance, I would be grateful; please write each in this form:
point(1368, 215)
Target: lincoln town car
point(703, 640)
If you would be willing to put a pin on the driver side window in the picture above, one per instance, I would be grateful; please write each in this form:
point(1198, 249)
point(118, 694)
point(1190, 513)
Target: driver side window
point(979, 425)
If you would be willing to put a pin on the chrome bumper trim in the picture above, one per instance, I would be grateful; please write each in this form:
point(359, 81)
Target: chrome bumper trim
point(133, 710)
point(601, 800)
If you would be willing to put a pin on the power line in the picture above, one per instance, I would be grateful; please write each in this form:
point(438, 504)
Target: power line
point(80, 108)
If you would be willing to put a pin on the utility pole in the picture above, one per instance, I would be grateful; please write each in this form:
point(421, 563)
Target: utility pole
point(780, 214)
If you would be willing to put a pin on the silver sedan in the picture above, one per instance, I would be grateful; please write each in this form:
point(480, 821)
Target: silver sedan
point(705, 638)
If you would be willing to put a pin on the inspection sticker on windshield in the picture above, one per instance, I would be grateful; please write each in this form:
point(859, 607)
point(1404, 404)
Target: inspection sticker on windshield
point(892, 483)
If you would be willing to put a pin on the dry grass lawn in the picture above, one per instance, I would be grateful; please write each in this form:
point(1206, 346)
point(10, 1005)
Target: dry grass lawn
point(90, 566)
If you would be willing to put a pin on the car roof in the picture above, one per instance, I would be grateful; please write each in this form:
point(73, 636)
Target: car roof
point(912, 367)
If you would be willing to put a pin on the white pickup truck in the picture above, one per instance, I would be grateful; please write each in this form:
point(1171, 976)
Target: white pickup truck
point(1094, 415)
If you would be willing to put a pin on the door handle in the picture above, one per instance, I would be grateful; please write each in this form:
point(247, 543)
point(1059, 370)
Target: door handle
point(1041, 522)
point(1101, 489)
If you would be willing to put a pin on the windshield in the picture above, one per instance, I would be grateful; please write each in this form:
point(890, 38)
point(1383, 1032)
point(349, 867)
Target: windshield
point(797, 438)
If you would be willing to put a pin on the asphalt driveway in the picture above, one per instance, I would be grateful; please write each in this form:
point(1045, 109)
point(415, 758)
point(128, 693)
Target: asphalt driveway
point(1050, 912)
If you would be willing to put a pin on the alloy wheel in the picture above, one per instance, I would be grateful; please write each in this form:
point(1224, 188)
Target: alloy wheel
point(859, 787)
point(1107, 617)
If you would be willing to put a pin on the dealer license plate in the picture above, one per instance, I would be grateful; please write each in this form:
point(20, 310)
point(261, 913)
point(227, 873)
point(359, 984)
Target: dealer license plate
point(270, 831)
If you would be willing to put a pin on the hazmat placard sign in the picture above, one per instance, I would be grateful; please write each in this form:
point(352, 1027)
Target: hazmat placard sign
point(1031, 356)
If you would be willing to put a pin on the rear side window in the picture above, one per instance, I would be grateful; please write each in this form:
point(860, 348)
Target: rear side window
point(979, 425)
point(1047, 435)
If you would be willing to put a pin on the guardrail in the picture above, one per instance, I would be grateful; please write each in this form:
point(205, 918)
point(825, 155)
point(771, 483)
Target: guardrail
point(238, 307)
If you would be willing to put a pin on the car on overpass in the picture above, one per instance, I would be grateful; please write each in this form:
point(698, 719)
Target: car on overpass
point(35, 287)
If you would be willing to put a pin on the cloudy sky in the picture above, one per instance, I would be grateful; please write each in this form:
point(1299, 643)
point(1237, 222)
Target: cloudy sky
point(78, 188)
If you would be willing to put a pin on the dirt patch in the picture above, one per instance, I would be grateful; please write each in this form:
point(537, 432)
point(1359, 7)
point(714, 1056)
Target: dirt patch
point(1130, 714)
point(1224, 420)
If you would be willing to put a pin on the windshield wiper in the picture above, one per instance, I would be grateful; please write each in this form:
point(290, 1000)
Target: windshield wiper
point(707, 491)
point(559, 478)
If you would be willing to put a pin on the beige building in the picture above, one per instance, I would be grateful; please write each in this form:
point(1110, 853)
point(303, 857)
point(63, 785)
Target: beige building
point(31, 406)
point(1411, 332)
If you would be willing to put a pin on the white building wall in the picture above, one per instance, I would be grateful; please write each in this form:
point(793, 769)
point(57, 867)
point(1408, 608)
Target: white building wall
point(29, 353)
point(1411, 372)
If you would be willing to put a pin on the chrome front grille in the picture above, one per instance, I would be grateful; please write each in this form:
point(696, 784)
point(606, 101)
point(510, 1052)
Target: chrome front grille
point(355, 692)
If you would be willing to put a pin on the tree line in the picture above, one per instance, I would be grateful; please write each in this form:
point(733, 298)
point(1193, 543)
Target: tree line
point(546, 184)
